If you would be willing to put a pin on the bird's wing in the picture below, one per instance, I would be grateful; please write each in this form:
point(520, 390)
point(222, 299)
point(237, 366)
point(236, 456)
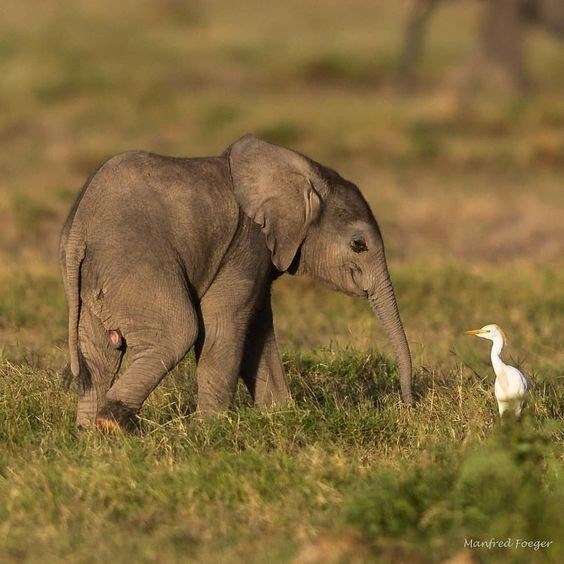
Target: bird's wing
point(517, 381)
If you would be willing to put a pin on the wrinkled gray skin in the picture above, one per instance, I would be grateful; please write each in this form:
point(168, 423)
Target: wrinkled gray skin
point(161, 254)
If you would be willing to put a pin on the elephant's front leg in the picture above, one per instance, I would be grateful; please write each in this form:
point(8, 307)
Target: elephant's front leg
point(219, 357)
point(226, 311)
point(262, 369)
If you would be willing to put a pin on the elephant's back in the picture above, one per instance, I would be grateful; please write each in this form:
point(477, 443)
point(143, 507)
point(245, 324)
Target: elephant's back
point(149, 209)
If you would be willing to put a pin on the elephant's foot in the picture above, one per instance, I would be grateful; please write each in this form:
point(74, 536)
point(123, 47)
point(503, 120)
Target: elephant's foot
point(286, 402)
point(210, 405)
point(270, 389)
point(274, 401)
point(115, 416)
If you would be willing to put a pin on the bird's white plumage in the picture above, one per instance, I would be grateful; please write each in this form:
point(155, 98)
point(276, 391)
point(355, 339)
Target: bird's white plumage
point(511, 385)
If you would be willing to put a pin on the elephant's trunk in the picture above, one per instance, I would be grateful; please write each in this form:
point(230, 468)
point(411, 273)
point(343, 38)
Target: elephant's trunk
point(383, 302)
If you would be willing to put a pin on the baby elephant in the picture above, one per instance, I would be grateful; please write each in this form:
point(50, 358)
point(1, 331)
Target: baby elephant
point(162, 254)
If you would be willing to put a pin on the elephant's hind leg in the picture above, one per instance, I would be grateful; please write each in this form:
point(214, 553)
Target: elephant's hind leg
point(158, 336)
point(100, 360)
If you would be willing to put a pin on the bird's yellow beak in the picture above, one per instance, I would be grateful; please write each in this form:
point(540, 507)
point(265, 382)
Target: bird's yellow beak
point(473, 332)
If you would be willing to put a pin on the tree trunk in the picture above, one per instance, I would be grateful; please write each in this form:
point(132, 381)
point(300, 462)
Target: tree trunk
point(414, 40)
point(502, 38)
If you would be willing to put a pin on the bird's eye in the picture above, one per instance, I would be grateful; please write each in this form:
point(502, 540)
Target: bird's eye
point(358, 245)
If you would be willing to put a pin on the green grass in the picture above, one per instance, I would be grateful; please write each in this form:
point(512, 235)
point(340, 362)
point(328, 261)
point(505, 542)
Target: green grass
point(346, 469)
point(347, 460)
point(467, 188)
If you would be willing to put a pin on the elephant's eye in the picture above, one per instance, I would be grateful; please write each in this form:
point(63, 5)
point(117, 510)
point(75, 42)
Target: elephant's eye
point(358, 245)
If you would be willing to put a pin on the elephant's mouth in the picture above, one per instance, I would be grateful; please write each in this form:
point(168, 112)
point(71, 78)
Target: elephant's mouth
point(354, 275)
point(346, 279)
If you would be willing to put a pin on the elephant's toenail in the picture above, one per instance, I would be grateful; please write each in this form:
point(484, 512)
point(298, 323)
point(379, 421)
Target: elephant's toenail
point(108, 425)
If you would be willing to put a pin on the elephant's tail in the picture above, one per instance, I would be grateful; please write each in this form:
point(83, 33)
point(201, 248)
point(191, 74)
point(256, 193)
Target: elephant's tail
point(74, 255)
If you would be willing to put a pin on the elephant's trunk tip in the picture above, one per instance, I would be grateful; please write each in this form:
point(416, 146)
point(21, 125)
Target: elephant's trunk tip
point(405, 374)
point(385, 306)
point(407, 398)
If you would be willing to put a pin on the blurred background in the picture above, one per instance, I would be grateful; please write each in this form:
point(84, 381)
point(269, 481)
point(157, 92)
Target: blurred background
point(449, 115)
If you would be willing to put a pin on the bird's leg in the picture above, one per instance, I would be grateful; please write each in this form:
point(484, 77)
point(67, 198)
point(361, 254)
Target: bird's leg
point(502, 406)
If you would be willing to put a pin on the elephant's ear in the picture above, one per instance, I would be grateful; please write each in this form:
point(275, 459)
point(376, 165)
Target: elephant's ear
point(275, 188)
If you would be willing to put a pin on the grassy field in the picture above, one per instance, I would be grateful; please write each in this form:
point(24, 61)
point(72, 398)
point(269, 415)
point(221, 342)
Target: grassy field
point(469, 194)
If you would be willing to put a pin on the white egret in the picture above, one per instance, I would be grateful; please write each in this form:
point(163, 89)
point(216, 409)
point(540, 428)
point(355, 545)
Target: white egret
point(510, 384)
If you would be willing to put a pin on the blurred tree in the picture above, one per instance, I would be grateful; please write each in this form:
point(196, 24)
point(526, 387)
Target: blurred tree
point(414, 39)
point(502, 43)
point(503, 27)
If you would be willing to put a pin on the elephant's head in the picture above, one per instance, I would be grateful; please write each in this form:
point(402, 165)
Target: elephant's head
point(317, 223)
